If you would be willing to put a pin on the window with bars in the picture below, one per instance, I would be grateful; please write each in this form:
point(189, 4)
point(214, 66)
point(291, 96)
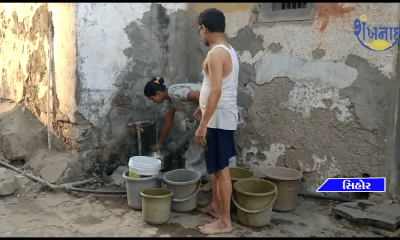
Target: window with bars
point(285, 11)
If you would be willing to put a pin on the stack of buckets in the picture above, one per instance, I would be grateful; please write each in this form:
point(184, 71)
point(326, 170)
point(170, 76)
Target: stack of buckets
point(145, 189)
point(252, 198)
point(144, 173)
point(179, 194)
point(142, 166)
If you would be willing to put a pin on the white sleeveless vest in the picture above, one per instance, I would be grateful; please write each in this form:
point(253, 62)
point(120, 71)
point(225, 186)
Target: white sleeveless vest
point(226, 115)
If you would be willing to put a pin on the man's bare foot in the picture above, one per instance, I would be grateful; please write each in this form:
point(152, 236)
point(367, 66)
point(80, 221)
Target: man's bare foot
point(216, 227)
point(207, 222)
point(209, 209)
point(207, 187)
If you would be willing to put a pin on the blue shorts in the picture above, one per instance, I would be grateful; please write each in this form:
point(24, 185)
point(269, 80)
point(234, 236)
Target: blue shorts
point(220, 147)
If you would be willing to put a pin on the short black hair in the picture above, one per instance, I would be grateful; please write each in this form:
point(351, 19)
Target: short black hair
point(153, 86)
point(213, 19)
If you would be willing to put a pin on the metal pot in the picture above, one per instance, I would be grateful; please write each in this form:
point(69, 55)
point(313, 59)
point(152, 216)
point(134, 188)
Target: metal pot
point(160, 155)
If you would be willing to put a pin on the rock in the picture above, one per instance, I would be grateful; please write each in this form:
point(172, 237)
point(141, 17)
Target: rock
point(12, 148)
point(117, 177)
point(8, 182)
point(387, 202)
point(55, 167)
point(375, 198)
point(53, 171)
point(369, 213)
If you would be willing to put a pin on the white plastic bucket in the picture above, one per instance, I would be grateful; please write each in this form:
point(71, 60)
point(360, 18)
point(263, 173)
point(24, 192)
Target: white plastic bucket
point(143, 166)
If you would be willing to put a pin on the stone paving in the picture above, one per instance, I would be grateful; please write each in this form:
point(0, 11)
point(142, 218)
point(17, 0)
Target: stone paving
point(34, 211)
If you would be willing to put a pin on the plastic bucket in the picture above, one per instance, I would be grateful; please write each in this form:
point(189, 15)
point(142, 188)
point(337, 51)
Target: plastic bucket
point(135, 185)
point(156, 204)
point(143, 166)
point(185, 205)
point(258, 218)
point(254, 194)
point(287, 180)
point(238, 173)
point(183, 182)
point(254, 199)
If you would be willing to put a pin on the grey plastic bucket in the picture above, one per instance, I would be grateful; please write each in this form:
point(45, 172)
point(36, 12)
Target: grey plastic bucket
point(287, 181)
point(135, 185)
point(156, 204)
point(183, 182)
point(185, 205)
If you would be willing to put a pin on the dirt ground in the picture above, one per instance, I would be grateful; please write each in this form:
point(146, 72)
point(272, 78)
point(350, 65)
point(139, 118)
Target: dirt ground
point(34, 210)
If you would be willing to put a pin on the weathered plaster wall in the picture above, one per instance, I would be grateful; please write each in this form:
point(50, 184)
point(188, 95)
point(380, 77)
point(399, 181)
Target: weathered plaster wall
point(25, 62)
point(309, 91)
point(330, 97)
point(24, 58)
point(116, 60)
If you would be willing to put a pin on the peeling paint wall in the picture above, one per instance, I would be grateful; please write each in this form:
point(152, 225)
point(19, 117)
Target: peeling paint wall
point(116, 60)
point(319, 95)
point(24, 62)
point(308, 90)
point(24, 59)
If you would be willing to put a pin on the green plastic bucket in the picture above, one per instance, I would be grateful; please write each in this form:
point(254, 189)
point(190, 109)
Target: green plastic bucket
point(254, 199)
point(156, 205)
point(254, 194)
point(258, 218)
point(238, 173)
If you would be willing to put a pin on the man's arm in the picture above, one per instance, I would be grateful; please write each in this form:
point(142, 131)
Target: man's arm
point(194, 96)
point(215, 64)
point(168, 121)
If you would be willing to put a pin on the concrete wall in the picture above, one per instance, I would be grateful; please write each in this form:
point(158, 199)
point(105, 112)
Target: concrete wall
point(308, 90)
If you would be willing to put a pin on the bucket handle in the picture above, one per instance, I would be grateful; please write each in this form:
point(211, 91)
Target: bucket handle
point(183, 200)
point(256, 211)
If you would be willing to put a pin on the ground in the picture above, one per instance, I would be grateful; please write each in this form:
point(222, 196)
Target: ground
point(35, 210)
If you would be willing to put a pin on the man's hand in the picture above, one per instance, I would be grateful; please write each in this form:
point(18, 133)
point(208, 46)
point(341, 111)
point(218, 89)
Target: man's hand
point(200, 136)
point(140, 129)
point(157, 147)
point(197, 113)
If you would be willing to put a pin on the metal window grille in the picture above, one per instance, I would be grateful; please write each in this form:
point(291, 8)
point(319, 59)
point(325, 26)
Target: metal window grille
point(285, 11)
point(286, 5)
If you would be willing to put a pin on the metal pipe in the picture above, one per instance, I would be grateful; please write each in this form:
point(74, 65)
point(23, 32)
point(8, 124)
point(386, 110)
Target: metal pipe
point(156, 133)
point(48, 83)
point(139, 141)
point(137, 125)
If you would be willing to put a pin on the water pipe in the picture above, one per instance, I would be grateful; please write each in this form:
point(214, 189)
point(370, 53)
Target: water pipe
point(67, 186)
point(50, 53)
point(38, 179)
point(137, 125)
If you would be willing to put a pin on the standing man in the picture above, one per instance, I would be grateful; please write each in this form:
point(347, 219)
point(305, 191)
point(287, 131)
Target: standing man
point(218, 104)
